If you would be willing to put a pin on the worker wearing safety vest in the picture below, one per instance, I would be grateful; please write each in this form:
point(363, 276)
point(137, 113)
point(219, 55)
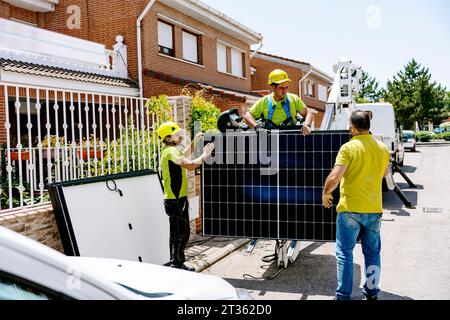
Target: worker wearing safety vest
point(279, 108)
point(174, 161)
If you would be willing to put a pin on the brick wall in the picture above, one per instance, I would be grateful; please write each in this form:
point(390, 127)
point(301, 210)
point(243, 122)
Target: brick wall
point(263, 68)
point(102, 21)
point(36, 223)
point(315, 102)
point(156, 87)
point(208, 73)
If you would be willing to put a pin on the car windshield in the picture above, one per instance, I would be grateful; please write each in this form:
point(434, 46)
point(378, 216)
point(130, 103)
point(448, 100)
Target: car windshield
point(408, 135)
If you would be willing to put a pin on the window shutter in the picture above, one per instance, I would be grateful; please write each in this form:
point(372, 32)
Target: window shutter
point(322, 93)
point(165, 35)
point(190, 50)
point(221, 57)
point(236, 63)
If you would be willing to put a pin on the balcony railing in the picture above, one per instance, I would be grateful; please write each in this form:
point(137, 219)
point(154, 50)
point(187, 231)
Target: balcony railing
point(52, 135)
point(26, 43)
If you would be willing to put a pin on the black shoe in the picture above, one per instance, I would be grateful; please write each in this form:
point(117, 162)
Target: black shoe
point(368, 298)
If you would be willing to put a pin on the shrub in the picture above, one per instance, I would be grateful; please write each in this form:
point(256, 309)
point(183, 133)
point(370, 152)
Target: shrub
point(446, 136)
point(423, 136)
point(204, 111)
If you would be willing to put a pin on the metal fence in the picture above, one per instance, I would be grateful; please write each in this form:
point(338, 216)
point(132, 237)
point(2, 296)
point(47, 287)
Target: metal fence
point(57, 135)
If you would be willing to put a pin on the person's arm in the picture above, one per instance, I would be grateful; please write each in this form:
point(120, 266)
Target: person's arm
point(331, 184)
point(190, 149)
point(255, 112)
point(307, 114)
point(196, 163)
point(388, 160)
point(250, 120)
point(386, 172)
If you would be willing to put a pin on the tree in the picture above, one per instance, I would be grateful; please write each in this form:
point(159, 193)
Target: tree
point(415, 97)
point(369, 91)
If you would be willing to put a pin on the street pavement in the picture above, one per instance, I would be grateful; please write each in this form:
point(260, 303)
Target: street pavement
point(415, 246)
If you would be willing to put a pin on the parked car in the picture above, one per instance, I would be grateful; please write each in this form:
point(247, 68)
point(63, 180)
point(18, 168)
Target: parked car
point(409, 142)
point(29, 270)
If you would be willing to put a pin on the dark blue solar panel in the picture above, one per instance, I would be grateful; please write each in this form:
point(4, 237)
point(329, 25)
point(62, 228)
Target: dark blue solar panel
point(273, 192)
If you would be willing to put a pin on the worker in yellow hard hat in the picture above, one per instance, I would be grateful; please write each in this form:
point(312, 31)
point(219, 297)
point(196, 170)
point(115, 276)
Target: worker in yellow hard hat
point(279, 108)
point(174, 161)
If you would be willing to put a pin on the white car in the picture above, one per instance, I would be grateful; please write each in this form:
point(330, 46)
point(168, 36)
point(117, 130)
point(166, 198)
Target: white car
point(30, 270)
point(408, 140)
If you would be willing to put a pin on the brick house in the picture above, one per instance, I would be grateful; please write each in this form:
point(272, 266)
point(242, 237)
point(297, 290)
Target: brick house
point(310, 83)
point(70, 70)
point(183, 41)
point(190, 43)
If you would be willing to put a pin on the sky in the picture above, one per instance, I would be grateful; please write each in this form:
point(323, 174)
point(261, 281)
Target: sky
point(379, 35)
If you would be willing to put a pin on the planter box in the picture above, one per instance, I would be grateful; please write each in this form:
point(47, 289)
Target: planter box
point(84, 154)
point(24, 155)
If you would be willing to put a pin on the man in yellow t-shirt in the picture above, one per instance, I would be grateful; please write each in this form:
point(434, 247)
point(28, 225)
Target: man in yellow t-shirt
point(279, 108)
point(360, 167)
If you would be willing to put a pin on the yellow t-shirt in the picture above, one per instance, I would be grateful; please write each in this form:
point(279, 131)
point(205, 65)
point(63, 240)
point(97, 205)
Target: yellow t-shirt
point(366, 160)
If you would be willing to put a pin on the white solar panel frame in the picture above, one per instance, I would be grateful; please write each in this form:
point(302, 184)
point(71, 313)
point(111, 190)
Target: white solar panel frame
point(96, 222)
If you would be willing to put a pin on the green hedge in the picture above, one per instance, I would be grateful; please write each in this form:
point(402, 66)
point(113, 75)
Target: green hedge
point(423, 136)
point(446, 136)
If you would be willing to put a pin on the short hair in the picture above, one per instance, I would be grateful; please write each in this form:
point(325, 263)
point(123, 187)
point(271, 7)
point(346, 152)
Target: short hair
point(360, 120)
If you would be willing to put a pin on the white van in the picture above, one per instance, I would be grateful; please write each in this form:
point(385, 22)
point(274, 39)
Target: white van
point(384, 126)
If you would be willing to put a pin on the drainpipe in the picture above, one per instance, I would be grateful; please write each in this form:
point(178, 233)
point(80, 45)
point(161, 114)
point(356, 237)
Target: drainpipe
point(303, 79)
point(139, 47)
point(259, 48)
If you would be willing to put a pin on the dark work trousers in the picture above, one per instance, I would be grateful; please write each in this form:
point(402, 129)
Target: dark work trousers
point(178, 212)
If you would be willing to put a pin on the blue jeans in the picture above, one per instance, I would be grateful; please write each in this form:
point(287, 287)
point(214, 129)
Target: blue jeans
point(348, 227)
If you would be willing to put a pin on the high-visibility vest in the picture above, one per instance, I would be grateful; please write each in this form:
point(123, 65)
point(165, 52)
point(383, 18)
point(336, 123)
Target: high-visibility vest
point(286, 108)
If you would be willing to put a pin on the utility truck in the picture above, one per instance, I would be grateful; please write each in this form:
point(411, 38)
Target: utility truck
point(341, 104)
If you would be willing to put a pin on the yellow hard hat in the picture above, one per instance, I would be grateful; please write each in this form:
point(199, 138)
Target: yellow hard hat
point(167, 129)
point(278, 76)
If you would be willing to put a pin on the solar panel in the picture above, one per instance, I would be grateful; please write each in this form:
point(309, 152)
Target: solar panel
point(269, 185)
point(95, 219)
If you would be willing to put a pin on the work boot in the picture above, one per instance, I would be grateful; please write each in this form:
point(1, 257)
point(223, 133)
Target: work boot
point(369, 297)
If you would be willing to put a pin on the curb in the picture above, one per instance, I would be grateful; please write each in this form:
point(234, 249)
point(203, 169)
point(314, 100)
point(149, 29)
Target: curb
point(213, 255)
point(432, 143)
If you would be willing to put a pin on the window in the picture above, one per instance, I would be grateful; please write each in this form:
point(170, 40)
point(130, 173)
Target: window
point(10, 290)
point(230, 60)
point(310, 89)
point(322, 93)
point(221, 57)
point(237, 66)
point(190, 47)
point(165, 38)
